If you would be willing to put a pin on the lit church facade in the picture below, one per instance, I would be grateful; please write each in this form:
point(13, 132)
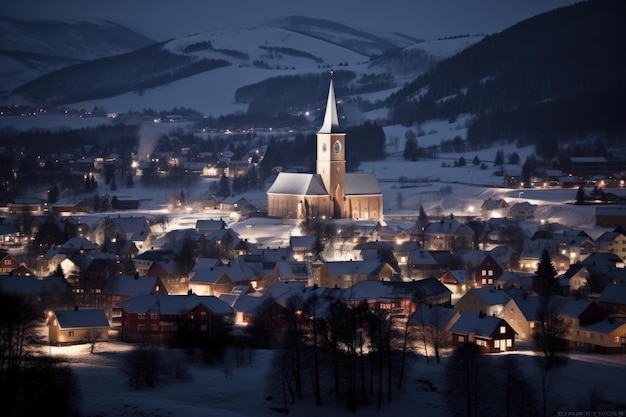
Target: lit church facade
point(330, 192)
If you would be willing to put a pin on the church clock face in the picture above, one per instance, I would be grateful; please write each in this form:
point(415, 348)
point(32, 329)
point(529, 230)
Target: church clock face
point(323, 147)
point(337, 147)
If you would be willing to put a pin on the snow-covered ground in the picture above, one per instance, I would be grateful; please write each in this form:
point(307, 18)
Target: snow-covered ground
point(226, 390)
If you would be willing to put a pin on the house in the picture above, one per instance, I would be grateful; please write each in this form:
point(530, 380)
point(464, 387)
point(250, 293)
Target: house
point(157, 317)
point(145, 260)
point(238, 205)
point(607, 336)
point(458, 280)
point(206, 226)
point(578, 276)
point(487, 272)
point(425, 263)
point(398, 298)
point(612, 242)
point(287, 271)
point(50, 292)
point(25, 205)
point(522, 314)
point(611, 216)
point(121, 287)
point(523, 211)
point(213, 281)
point(131, 228)
point(490, 334)
point(486, 300)
point(245, 307)
point(515, 280)
point(344, 274)
point(448, 234)
point(494, 208)
point(77, 326)
point(303, 247)
point(8, 263)
point(613, 300)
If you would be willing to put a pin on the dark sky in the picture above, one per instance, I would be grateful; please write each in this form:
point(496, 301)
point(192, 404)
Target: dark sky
point(162, 20)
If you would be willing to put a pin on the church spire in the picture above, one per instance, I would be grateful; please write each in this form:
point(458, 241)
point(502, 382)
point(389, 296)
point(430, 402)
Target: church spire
point(331, 121)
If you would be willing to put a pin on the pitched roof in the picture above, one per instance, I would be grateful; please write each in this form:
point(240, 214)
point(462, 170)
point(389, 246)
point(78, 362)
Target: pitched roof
point(422, 290)
point(362, 184)
point(129, 285)
point(613, 294)
point(483, 326)
point(32, 285)
point(491, 296)
point(81, 318)
point(298, 184)
point(173, 304)
point(529, 306)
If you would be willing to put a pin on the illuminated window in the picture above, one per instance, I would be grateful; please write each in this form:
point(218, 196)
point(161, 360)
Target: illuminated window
point(490, 272)
point(496, 344)
point(483, 272)
point(154, 316)
point(509, 343)
point(141, 316)
point(502, 329)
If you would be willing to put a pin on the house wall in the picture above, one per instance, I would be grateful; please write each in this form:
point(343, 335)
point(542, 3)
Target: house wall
point(59, 336)
point(589, 341)
point(513, 315)
point(293, 206)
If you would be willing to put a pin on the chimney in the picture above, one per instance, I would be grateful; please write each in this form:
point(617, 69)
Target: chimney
point(75, 308)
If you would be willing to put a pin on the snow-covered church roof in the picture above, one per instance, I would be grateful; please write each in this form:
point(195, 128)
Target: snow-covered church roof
point(298, 184)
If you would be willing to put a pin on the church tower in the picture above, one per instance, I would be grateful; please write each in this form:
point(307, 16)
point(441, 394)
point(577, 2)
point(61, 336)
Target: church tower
point(331, 156)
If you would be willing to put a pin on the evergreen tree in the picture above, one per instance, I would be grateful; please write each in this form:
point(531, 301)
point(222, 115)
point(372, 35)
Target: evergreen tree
point(223, 189)
point(476, 160)
point(461, 162)
point(547, 282)
point(580, 195)
point(499, 158)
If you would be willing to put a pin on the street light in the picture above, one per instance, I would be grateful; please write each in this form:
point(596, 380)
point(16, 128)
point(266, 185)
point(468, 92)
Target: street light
point(519, 195)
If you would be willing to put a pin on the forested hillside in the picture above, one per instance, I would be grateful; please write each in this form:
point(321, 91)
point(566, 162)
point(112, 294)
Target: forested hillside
point(144, 68)
point(557, 75)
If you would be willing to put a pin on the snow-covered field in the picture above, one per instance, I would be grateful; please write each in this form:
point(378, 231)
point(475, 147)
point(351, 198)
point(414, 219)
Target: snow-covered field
point(231, 391)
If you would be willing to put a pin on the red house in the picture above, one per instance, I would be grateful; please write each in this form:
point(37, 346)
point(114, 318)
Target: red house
point(487, 272)
point(490, 334)
point(157, 317)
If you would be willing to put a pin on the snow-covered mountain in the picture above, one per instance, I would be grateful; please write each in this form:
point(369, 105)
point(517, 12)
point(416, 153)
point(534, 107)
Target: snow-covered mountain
point(32, 48)
point(242, 56)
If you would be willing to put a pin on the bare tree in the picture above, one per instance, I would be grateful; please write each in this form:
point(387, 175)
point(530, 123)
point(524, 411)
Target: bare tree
point(550, 331)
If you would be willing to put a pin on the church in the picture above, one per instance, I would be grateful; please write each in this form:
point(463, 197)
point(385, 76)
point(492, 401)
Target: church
point(330, 192)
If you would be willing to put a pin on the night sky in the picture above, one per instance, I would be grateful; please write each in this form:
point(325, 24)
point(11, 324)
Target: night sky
point(163, 20)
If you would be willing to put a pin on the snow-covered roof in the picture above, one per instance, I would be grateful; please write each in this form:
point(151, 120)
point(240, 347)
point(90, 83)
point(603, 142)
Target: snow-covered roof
point(470, 322)
point(79, 243)
point(422, 290)
point(605, 326)
point(528, 306)
point(302, 242)
point(354, 267)
point(129, 285)
point(613, 294)
point(491, 296)
point(298, 184)
point(32, 285)
point(362, 184)
point(81, 318)
point(243, 302)
point(291, 270)
point(173, 304)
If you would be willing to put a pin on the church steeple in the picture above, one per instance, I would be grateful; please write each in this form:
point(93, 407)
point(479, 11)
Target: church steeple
point(331, 121)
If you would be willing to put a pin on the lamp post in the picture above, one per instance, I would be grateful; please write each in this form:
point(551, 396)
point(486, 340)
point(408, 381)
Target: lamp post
point(519, 195)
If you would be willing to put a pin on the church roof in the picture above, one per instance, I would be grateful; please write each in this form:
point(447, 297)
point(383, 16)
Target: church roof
point(331, 121)
point(362, 184)
point(298, 184)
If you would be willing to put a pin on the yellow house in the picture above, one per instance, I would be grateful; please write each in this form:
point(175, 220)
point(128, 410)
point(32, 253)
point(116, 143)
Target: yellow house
point(77, 326)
